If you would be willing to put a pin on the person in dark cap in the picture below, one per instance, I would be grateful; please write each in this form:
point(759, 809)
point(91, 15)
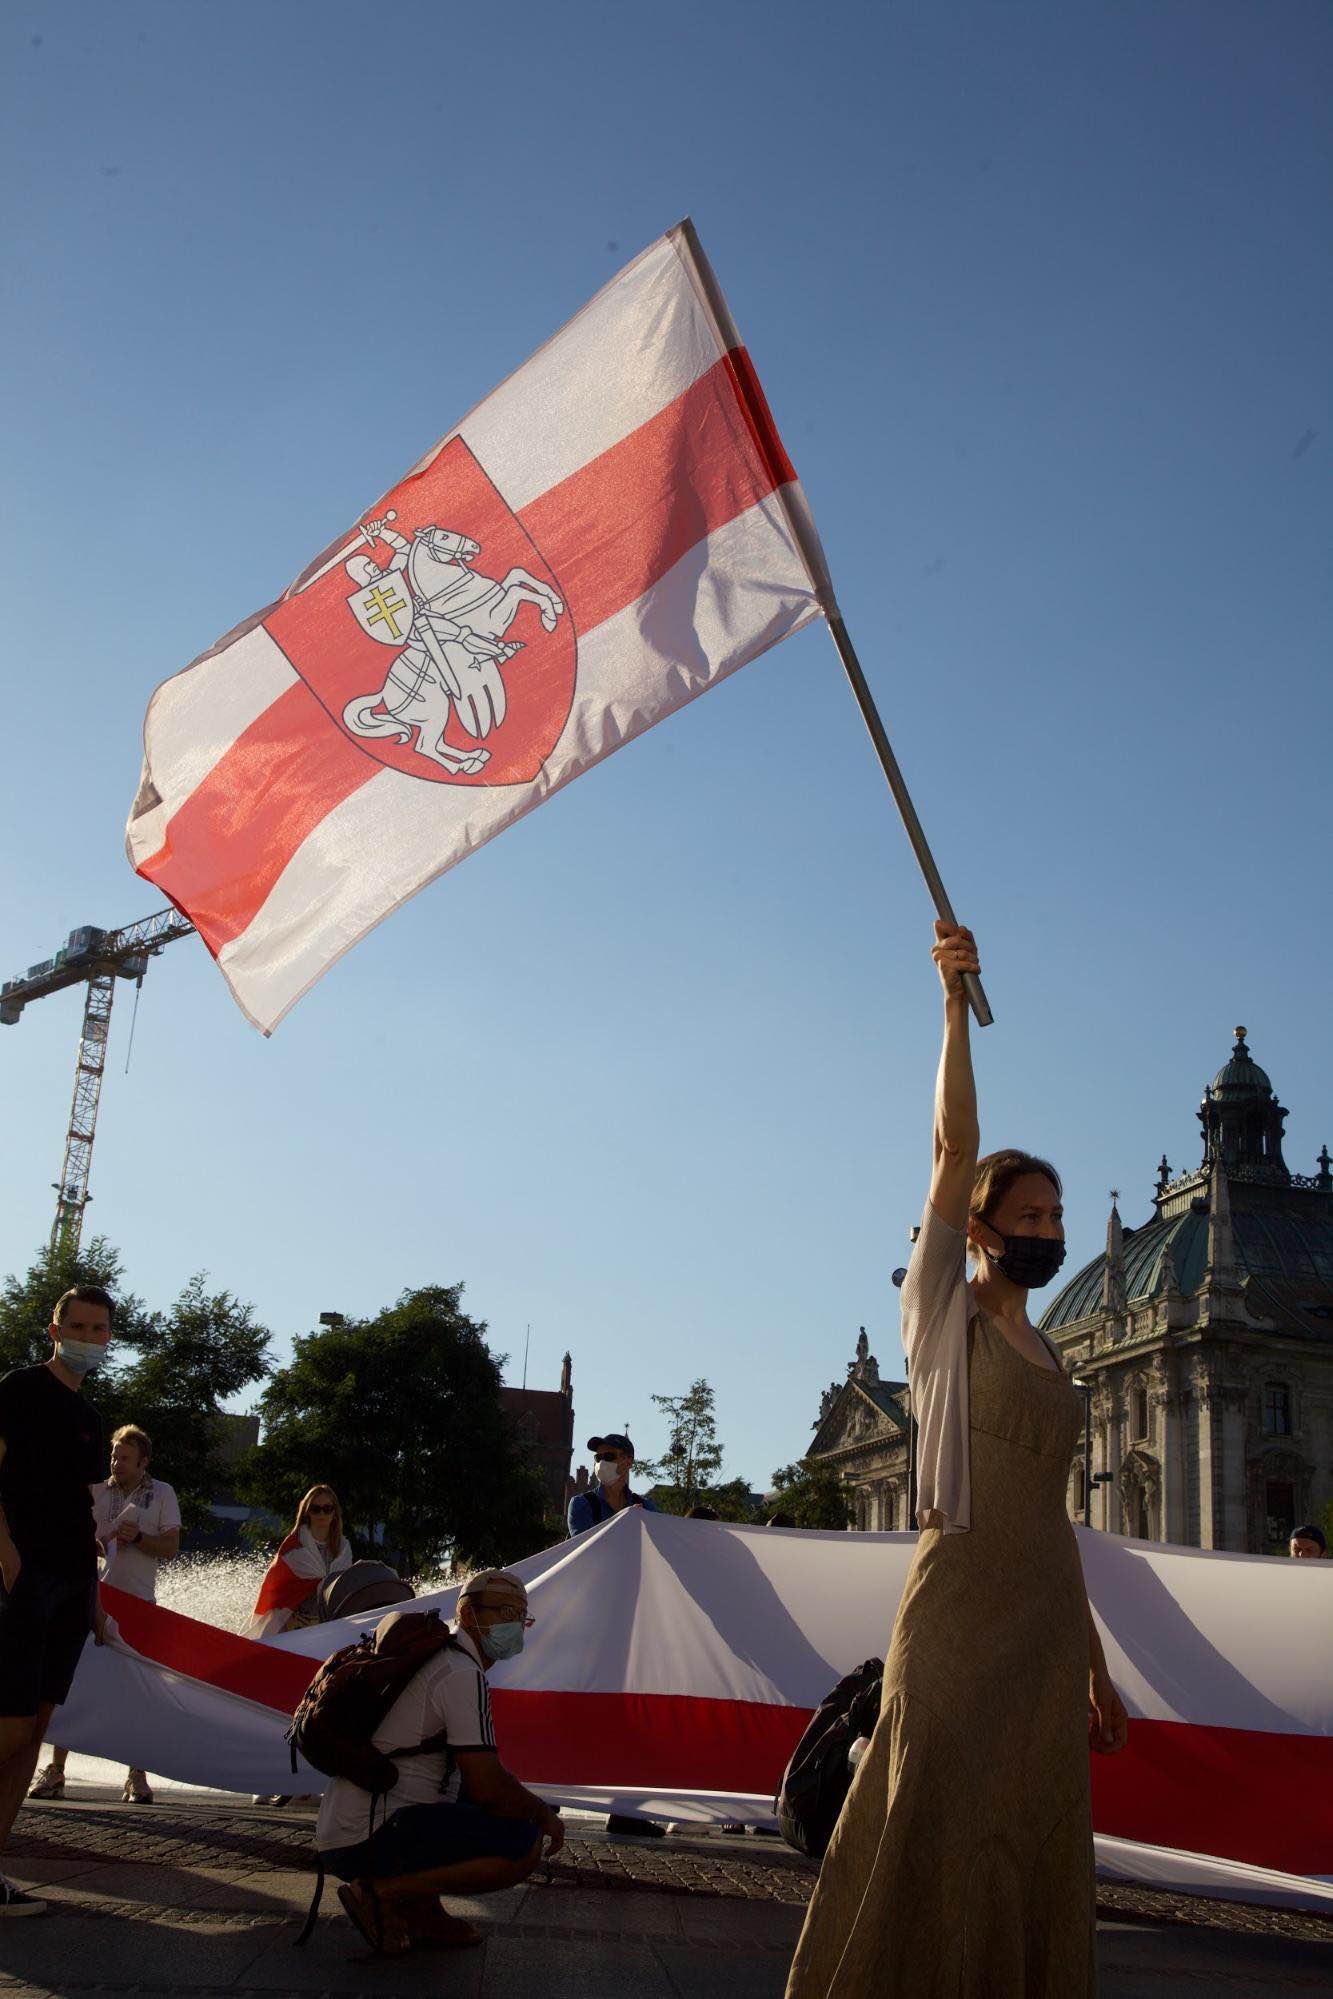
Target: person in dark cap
point(613, 1462)
point(1307, 1543)
point(613, 1457)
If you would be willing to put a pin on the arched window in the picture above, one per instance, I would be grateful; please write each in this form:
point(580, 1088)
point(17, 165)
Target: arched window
point(1140, 1410)
point(1277, 1409)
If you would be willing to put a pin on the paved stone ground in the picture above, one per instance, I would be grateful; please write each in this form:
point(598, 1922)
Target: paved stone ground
point(202, 1899)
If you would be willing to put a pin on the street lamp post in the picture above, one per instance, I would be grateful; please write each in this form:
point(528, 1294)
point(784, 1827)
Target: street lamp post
point(1090, 1478)
point(1085, 1390)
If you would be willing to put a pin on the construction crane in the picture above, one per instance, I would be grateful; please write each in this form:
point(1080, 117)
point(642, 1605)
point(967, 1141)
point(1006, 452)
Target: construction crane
point(95, 958)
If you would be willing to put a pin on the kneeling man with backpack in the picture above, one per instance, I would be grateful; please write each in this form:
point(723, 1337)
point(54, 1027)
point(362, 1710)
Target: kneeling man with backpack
point(420, 1804)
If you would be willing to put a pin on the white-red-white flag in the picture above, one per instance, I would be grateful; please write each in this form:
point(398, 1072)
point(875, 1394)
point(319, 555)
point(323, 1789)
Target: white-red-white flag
point(612, 531)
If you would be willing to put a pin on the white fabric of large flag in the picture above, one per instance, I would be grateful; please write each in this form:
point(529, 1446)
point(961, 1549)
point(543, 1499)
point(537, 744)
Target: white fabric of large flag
point(610, 533)
point(674, 1664)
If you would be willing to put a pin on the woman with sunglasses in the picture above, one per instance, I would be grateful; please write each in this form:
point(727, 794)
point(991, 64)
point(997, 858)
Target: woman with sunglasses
point(315, 1548)
point(289, 1594)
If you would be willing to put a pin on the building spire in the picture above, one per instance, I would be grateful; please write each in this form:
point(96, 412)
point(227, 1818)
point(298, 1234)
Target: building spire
point(1221, 1265)
point(1163, 1176)
point(1114, 1301)
point(1170, 1277)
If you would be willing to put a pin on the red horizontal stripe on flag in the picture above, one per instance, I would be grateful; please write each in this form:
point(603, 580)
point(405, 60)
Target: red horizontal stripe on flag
point(1235, 1792)
point(202, 1652)
point(610, 532)
point(226, 846)
point(622, 521)
point(1240, 1794)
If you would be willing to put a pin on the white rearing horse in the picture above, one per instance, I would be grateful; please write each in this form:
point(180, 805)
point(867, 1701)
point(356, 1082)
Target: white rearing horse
point(455, 649)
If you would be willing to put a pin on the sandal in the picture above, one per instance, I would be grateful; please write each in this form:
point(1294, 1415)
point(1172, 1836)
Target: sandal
point(48, 1783)
point(432, 1928)
point(385, 1933)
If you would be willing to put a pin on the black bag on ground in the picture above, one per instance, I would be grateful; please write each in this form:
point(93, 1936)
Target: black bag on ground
point(816, 1781)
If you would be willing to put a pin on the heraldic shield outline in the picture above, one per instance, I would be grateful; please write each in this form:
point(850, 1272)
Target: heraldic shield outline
point(437, 638)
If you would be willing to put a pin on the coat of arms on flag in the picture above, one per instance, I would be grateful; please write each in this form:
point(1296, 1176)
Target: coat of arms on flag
point(482, 674)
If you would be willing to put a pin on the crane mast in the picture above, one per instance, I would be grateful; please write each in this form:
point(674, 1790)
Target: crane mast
point(94, 958)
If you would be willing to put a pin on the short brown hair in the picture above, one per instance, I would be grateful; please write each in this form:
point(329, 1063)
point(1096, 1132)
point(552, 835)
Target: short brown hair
point(996, 1174)
point(130, 1433)
point(83, 1294)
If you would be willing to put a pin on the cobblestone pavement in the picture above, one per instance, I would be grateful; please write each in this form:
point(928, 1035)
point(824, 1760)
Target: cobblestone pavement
point(257, 1841)
point(198, 1899)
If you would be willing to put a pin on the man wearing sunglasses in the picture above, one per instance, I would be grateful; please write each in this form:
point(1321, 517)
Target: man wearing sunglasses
point(613, 1457)
point(456, 1822)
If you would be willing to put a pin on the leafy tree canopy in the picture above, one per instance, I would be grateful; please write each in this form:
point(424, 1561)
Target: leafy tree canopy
point(401, 1415)
point(693, 1456)
point(813, 1494)
point(168, 1372)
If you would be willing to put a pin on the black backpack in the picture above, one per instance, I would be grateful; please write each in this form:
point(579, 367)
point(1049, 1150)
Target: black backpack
point(347, 1701)
point(816, 1781)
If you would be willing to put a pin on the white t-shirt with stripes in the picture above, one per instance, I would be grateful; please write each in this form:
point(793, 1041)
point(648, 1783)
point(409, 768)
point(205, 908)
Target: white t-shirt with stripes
point(449, 1693)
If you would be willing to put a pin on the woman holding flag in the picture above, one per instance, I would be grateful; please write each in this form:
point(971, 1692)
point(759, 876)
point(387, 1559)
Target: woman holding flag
point(962, 1864)
point(314, 1549)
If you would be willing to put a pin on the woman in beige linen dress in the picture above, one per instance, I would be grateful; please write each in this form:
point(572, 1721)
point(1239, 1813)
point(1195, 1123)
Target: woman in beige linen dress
point(961, 1867)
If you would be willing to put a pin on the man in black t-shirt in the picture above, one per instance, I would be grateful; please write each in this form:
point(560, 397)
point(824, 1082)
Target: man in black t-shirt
point(50, 1455)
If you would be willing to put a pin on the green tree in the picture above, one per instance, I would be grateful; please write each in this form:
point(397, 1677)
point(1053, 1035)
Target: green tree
point(169, 1373)
point(27, 1302)
point(401, 1415)
point(730, 1501)
point(197, 1356)
point(813, 1494)
point(693, 1456)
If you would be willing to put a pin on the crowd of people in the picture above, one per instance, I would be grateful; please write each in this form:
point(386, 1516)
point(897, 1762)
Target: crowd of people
point(994, 1687)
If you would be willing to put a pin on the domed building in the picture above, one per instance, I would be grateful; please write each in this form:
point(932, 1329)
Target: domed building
point(1205, 1339)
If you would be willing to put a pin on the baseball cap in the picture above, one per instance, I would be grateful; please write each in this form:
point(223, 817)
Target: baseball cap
point(493, 1588)
point(614, 1440)
point(1310, 1533)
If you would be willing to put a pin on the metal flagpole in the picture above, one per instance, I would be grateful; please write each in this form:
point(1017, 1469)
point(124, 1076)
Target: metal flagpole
point(865, 701)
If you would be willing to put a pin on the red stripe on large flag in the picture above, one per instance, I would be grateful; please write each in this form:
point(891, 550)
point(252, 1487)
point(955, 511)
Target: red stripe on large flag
point(202, 1652)
point(234, 835)
point(624, 520)
point(610, 532)
point(1240, 1794)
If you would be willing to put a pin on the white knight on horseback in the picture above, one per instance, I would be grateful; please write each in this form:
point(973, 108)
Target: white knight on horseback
point(452, 625)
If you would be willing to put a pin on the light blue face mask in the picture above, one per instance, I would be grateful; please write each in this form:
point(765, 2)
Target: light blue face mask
point(80, 1355)
point(503, 1641)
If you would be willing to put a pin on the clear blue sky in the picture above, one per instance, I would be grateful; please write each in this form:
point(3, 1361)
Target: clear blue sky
point(1041, 297)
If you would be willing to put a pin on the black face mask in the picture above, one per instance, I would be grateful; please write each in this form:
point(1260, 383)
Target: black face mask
point(1029, 1261)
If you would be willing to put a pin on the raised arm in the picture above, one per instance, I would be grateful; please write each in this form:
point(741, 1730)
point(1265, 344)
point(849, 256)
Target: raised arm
point(957, 1132)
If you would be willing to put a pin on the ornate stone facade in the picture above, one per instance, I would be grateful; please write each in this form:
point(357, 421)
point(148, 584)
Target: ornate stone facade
point(1205, 1338)
point(862, 1432)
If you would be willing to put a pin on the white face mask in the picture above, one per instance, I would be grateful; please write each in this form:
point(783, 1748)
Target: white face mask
point(608, 1471)
point(80, 1356)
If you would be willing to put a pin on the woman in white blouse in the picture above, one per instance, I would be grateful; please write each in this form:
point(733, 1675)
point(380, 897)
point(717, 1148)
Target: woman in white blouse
point(961, 1867)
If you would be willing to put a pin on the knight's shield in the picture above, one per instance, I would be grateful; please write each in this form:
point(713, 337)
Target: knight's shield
point(383, 610)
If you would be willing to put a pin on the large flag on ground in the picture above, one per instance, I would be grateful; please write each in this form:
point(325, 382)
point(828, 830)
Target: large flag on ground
point(614, 530)
point(674, 1664)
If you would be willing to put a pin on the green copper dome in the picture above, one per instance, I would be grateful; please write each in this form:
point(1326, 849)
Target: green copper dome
point(1242, 1076)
